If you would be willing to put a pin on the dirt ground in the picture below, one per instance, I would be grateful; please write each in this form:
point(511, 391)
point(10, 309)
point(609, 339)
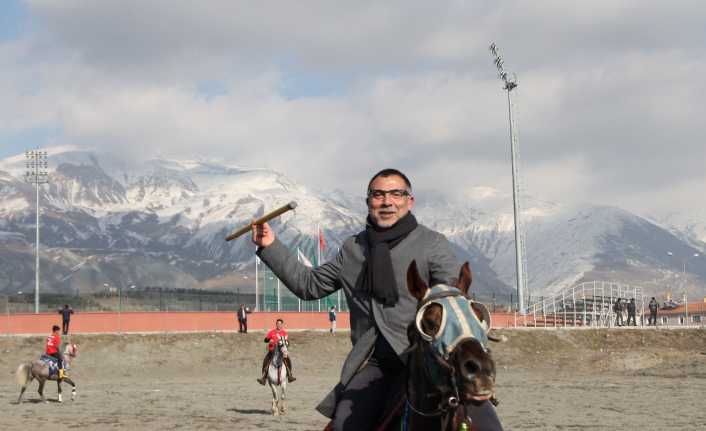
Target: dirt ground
point(547, 380)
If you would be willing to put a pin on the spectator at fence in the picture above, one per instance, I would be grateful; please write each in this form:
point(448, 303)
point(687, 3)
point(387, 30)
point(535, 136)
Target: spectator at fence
point(243, 319)
point(332, 318)
point(631, 312)
point(618, 310)
point(66, 313)
point(654, 306)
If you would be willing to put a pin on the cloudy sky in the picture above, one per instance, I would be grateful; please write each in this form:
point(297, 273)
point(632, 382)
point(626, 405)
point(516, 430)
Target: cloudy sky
point(611, 101)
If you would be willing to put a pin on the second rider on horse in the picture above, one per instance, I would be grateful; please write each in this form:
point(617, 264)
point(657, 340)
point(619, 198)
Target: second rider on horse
point(273, 338)
point(53, 349)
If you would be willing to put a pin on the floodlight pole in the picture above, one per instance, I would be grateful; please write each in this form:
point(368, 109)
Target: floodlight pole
point(510, 84)
point(36, 174)
point(684, 284)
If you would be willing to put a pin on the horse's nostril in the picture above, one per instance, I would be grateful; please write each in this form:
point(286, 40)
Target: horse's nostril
point(471, 367)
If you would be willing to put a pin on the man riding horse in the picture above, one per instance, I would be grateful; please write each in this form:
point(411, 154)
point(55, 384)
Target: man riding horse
point(371, 269)
point(273, 338)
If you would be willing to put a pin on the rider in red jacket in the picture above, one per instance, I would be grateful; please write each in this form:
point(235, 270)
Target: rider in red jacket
point(273, 338)
point(53, 349)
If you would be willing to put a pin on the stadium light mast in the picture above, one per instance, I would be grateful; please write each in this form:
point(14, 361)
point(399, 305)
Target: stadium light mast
point(36, 173)
point(510, 83)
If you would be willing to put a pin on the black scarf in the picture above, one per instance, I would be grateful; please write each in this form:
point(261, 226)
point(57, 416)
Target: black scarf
point(380, 280)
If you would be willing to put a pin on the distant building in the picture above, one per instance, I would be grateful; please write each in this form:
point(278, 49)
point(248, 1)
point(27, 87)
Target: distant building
point(692, 314)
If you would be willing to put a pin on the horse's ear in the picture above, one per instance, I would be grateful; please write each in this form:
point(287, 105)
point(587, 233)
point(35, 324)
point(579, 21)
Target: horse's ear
point(415, 284)
point(482, 313)
point(465, 278)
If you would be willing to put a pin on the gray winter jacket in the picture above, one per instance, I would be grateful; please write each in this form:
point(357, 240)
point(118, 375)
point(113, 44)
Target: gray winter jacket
point(436, 263)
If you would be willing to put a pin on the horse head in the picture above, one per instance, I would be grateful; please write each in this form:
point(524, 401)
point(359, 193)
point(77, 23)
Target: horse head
point(450, 333)
point(71, 350)
point(283, 347)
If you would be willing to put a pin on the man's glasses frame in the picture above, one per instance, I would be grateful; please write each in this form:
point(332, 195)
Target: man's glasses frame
point(394, 193)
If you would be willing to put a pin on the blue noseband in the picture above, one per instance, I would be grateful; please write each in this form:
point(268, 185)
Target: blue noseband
point(458, 322)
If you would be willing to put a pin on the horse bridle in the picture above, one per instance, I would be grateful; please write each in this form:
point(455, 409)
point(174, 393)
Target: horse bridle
point(450, 399)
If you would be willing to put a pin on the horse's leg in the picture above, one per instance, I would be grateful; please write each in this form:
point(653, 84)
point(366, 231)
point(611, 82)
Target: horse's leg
point(24, 388)
point(73, 387)
point(282, 398)
point(24, 378)
point(274, 408)
point(41, 387)
point(22, 391)
point(273, 388)
point(58, 389)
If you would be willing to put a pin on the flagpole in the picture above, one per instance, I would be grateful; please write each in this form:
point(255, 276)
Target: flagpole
point(257, 299)
point(299, 301)
point(318, 250)
point(279, 302)
point(318, 244)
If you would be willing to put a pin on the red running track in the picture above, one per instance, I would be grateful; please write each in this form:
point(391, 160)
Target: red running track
point(183, 321)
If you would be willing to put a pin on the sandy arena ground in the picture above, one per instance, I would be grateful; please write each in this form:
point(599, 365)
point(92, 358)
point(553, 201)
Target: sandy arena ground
point(547, 380)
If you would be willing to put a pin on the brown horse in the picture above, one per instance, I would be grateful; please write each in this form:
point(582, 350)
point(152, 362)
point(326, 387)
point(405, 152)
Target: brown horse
point(39, 370)
point(450, 374)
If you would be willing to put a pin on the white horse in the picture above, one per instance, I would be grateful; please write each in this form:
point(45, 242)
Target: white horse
point(277, 378)
point(39, 370)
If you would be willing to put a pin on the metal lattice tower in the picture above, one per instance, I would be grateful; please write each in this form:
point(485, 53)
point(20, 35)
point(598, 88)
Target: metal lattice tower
point(510, 83)
point(36, 174)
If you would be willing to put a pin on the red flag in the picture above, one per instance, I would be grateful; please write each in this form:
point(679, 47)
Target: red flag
point(322, 243)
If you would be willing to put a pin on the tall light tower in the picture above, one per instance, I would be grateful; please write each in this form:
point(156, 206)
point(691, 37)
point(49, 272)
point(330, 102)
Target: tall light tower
point(510, 83)
point(36, 174)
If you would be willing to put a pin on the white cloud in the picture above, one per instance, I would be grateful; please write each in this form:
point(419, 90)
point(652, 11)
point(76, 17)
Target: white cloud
point(610, 99)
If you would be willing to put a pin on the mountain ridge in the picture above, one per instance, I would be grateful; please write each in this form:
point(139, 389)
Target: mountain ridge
point(173, 215)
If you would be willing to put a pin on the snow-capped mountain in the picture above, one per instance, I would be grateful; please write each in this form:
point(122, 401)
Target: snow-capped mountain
point(689, 226)
point(163, 222)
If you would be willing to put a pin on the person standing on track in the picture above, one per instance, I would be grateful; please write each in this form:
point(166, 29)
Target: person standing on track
point(243, 319)
point(332, 318)
point(66, 313)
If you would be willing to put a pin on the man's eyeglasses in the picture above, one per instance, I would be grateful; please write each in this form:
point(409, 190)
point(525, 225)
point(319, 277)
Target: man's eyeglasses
point(394, 193)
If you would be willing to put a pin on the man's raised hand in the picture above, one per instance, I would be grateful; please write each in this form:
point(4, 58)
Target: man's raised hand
point(262, 234)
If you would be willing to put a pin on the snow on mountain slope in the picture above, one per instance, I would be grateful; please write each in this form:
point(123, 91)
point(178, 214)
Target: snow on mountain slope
point(175, 214)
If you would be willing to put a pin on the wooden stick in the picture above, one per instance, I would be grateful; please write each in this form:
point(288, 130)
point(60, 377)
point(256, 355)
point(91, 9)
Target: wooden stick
point(264, 219)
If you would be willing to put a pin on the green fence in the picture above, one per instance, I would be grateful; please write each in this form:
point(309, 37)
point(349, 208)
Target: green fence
point(273, 295)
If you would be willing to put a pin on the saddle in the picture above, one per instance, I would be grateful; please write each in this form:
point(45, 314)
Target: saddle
point(52, 363)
